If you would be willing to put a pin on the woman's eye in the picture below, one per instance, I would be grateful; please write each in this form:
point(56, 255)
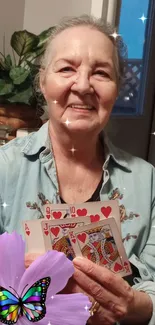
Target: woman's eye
point(66, 69)
point(102, 73)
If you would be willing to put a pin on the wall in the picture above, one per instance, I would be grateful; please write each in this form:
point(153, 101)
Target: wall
point(11, 19)
point(40, 15)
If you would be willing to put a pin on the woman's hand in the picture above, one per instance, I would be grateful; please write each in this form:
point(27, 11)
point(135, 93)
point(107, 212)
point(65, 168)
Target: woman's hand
point(30, 258)
point(118, 301)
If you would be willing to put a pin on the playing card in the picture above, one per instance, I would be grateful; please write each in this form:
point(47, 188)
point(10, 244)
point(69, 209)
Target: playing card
point(56, 211)
point(101, 243)
point(56, 234)
point(34, 236)
point(96, 210)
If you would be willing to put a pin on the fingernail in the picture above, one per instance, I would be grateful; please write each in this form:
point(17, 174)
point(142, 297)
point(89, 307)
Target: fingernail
point(78, 261)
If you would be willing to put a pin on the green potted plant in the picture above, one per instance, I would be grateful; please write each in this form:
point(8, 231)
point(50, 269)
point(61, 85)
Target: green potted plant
point(19, 101)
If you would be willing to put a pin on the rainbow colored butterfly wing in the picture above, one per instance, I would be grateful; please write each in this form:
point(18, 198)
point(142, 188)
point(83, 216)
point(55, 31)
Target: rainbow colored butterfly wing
point(32, 304)
point(9, 307)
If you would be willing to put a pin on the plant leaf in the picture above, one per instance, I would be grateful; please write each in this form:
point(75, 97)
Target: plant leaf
point(2, 64)
point(43, 36)
point(33, 55)
point(5, 87)
point(23, 96)
point(24, 42)
point(18, 75)
point(8, 61)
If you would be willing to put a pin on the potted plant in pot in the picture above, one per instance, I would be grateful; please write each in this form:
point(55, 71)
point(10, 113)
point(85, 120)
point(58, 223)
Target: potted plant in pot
point(20, 105)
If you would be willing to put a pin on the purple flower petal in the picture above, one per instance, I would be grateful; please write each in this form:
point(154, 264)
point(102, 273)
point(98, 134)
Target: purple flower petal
point(53, 264)
point(72, 309)
point(12, 250)
point(67, 310)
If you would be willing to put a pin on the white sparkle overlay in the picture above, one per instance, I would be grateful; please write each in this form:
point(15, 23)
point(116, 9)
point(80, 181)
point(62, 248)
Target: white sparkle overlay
point(67, 122)
point(73, 150)
point(49, 323)
point(153, 133)
point(4, 205)
point(55, 101)
point(143, 18)
point(115, 35)
point(86, 308)
point(52, 297)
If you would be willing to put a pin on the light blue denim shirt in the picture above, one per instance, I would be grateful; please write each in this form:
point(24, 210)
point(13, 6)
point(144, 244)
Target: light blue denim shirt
point(28, 180)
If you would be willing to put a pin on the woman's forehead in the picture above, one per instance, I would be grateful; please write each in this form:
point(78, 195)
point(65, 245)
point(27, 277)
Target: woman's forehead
point(80, 40)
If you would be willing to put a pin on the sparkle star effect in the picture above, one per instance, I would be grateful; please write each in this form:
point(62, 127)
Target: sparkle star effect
point(67, 122)
point(115, 35)
point(52, 297)
point(153, 133)
point(4, 205)
point(73, 150)
point(143, 18)
point(55, 101)
point(86, 308)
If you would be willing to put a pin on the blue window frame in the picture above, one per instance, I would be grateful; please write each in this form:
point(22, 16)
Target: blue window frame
point(138, 37)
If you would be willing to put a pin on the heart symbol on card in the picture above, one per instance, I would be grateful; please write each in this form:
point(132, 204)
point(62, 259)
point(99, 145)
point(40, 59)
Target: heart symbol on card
point(94, 218)
point(57, 215)
point(82, 237)
point(74, 241)
point(28, 232)
point(48, 216)
point(55, 231)
point(118, 267)
point(81, 212)
point(46, 232)
point(73, 215)
point(106, 211)
point(126, 266)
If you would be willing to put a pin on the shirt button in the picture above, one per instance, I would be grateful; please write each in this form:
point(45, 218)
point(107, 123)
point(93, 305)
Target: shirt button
point(145, 272)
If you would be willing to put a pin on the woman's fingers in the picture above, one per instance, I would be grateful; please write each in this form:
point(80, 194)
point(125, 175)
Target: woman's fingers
point(114, 304)
point(31, 257)
point(102, 275)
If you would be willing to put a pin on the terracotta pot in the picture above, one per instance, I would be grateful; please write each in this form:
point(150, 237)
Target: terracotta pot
point(19, 116)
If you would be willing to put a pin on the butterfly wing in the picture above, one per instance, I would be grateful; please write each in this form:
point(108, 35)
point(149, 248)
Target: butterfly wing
point(33, 302)
point(9, 307)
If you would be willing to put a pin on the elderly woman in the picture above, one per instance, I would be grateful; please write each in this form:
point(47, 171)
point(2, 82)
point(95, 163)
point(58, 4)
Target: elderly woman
point(70, 160)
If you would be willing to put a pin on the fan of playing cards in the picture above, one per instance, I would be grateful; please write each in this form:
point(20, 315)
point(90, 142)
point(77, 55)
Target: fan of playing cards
point(91, 230)
point(31, 295)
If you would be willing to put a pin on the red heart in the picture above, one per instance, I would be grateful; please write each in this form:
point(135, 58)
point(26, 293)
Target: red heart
point(82, 237)
point(28, 232)
point(46, 232)
point(73, 215)
point(106, 211)
point(57, 215)
point(74, 241)
point(127, 267)
point(48, 216)
point(118, 267)
point(81, 212)
point(94, 218)
point(55, 231)
point(126, 264)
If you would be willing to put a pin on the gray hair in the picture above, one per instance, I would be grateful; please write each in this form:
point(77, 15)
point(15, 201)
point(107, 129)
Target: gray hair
point(94, 23)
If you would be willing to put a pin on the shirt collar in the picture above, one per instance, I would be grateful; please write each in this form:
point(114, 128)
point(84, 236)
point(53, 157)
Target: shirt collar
point(36, 141)
point(119, 156)
point(39, 140)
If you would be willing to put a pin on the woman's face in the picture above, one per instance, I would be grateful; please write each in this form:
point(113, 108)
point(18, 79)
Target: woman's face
point(80, 82)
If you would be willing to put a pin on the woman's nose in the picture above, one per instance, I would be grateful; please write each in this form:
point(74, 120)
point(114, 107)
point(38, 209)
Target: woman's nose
point(82, 84)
